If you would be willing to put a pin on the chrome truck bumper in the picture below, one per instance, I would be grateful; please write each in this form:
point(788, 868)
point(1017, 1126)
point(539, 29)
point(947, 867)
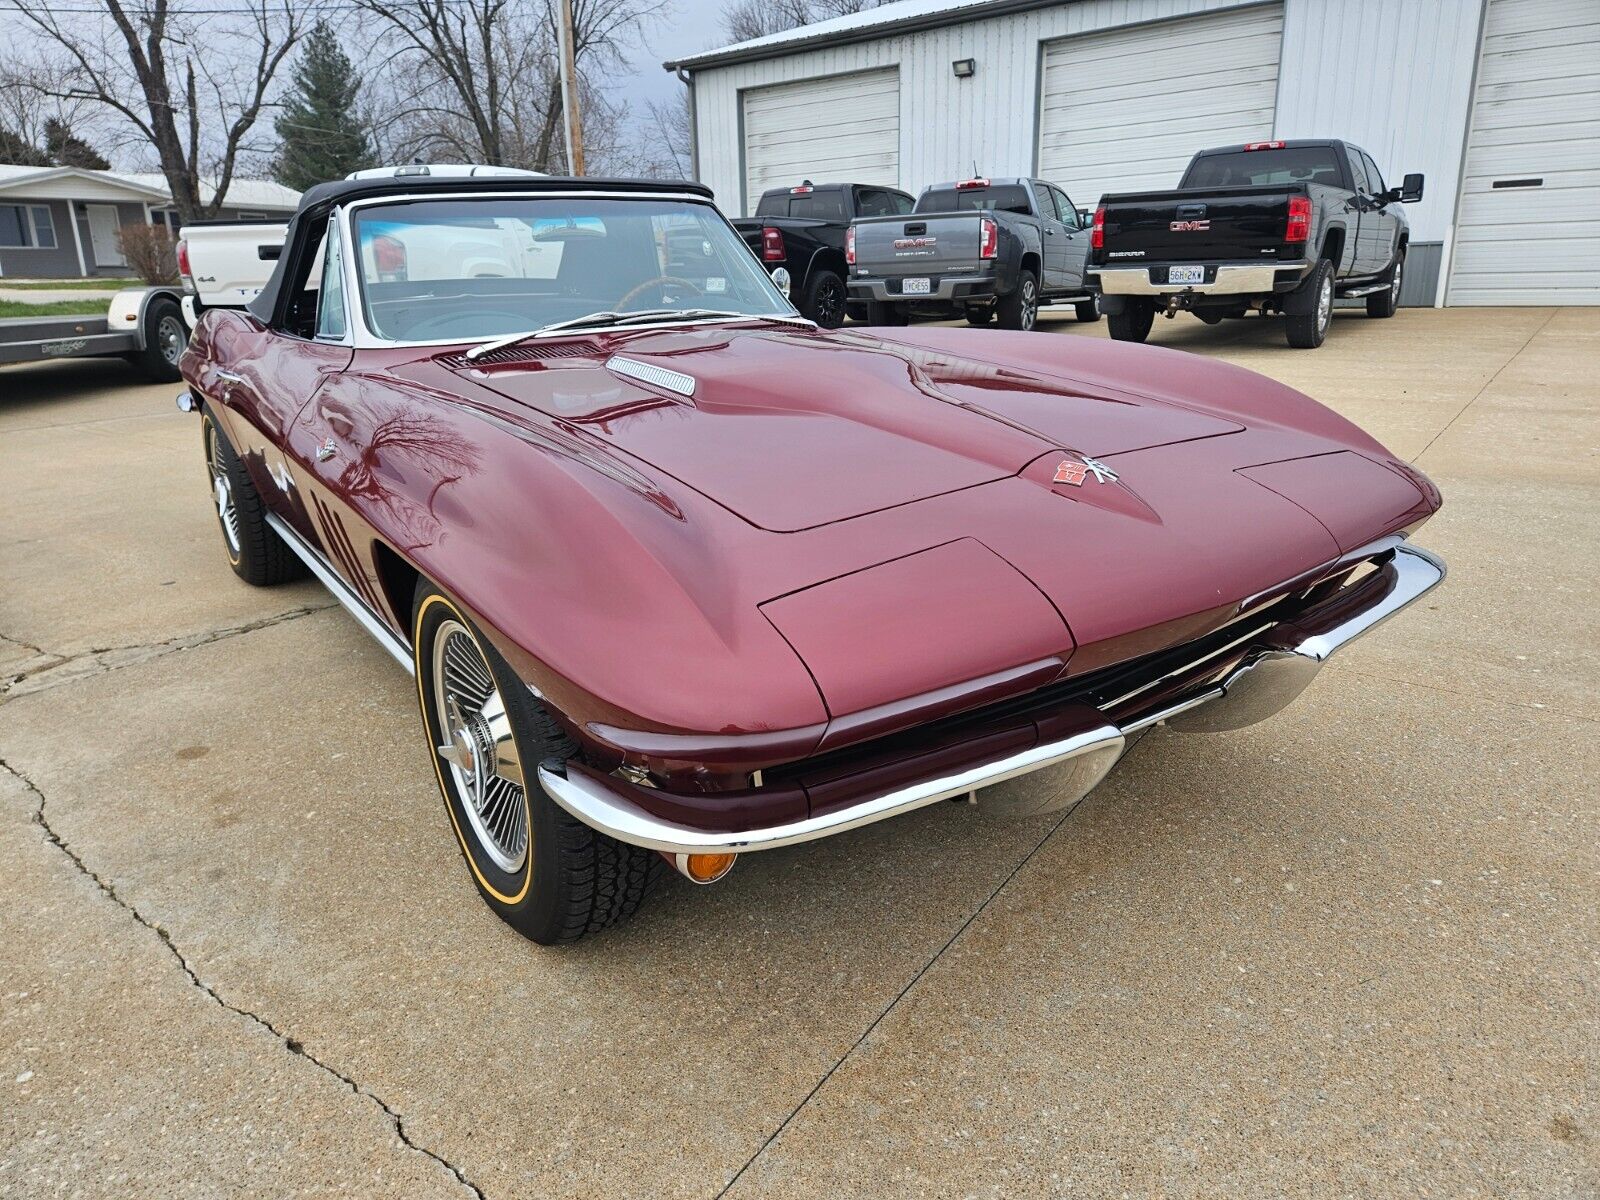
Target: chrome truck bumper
point(1232, 279)
point(1271, 671)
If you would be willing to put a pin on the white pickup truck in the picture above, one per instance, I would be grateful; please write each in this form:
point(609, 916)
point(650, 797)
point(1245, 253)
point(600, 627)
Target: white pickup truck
point(224, 264)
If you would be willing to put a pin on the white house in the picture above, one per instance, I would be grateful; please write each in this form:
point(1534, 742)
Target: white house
point(1497, 102)
point(62, 222)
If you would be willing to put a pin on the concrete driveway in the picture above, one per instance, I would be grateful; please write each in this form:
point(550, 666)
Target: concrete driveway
point(1348, 952)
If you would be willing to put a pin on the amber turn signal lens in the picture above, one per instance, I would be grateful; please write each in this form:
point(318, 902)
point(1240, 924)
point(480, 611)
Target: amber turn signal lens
point(706, 868)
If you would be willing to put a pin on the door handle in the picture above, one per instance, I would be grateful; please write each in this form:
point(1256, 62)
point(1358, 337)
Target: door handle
point(230, 377)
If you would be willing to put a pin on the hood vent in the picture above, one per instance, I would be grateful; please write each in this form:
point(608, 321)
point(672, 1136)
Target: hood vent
point(525, 352)
point(661, 377)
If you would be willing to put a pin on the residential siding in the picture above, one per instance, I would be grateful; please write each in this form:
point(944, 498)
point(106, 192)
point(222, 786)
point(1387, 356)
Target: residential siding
point(43, 263)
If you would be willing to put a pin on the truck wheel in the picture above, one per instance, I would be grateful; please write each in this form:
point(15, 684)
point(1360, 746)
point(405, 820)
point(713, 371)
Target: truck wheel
point(824, 299)
point(1020, 308)
point(165, 337)
point(880, 313)
point(1087, 311)
point(544, 872)
point(1306, 331)
point(1209, 315)
point(856, 311)
point(978, 314)
point(1133, 323)
point(257, 554)
point(1384, 303)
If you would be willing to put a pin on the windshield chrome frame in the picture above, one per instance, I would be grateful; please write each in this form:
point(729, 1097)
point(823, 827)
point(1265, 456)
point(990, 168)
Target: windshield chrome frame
point(363, 337)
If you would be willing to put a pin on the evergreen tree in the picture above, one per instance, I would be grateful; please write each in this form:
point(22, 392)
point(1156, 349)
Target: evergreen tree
point(67, 150)
point(323, 135)
point(17, 150)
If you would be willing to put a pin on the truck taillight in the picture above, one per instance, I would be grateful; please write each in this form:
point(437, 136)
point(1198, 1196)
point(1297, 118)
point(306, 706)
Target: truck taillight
point(979, 182)
point(389, 257)
point(183, 257)
point(989, 239)
point(850, 245)
point(771, 244)
point(1264, 145)
point(1097, 232)
point(1299, 227)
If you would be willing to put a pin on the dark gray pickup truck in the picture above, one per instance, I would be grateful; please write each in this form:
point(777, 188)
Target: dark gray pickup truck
point(1271, 227)
point(980, 247)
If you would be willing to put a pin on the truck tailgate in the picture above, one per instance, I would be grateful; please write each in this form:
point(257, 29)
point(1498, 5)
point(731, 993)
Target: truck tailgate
point(918, 244)
point(1197, 224)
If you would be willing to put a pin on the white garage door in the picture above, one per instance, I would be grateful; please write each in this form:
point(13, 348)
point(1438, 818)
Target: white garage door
point(1525, 232)
point(1125, 110)
point(845, 128)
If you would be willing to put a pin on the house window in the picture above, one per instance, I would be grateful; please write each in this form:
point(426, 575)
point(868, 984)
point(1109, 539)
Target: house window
point(27, 226)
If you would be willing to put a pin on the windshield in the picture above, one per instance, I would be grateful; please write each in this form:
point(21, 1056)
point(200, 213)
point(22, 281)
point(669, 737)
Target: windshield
point(1007, 197)
point(1251, 168)
point(442, 270)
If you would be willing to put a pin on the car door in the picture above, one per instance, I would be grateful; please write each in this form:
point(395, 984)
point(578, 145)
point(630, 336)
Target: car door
point(1366, 217)
point(1077, 240)
point(1052, 237)
point(1387, 234)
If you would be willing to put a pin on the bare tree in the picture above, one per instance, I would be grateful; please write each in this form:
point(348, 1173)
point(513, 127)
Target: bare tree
point(746, 20)
point(479, 79)
point(671, 135)
point(190, 84)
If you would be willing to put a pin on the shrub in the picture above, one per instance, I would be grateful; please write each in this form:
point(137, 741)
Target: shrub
point(150, 251)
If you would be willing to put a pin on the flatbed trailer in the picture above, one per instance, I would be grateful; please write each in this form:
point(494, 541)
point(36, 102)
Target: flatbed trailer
point(144, 326)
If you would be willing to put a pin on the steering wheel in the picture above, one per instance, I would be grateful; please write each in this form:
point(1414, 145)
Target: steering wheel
point(657, 281)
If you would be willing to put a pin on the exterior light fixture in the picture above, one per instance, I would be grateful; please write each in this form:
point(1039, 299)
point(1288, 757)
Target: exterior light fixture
point(964, 68)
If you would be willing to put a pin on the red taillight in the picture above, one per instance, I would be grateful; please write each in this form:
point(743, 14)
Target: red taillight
point(850, 245)
point(183, 258)
point(803, 190)
point(1264, 145)
point(772, 244)
point(1299, 227)
point(989, 240)
point(1097, 233)
point(389, 255)
point(972, 183)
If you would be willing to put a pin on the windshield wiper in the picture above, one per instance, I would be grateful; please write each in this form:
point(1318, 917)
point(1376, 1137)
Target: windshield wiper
point(635, 317)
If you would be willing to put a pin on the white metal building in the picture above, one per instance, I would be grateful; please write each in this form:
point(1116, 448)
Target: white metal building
point(1497, 102)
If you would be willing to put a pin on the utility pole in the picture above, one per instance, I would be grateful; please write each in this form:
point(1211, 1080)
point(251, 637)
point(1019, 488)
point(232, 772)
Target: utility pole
point(571, 119)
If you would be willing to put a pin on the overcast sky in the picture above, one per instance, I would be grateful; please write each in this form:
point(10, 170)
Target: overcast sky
point(693, 25)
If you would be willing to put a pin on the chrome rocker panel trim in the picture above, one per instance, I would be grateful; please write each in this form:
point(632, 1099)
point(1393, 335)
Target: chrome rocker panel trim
point(343, 593)
point(1232, 279)
point(1265, 683)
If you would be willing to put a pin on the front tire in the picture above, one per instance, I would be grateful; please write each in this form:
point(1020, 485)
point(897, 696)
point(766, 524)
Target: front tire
point(257, 554)
point(1384, 303)
point(978, 314)
point(1087, 311)
point(544, 872)
point(824, 299)
point(1133, 323)
point(1307, 331)
point(1019, 309)
point(165, 337)
point(879, 313)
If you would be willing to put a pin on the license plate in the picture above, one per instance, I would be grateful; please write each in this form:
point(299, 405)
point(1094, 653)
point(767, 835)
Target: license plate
point(1186, 274)
point(914, 287)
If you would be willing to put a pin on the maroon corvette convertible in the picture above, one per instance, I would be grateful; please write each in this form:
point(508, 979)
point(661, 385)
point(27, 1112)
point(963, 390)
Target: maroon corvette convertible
point(682, 577)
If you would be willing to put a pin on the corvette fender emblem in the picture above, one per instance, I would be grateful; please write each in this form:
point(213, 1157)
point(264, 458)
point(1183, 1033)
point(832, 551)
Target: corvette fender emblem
point(1075, 472)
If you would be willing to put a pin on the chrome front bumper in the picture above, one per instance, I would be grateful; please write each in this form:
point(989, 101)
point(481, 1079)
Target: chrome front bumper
point(1231, 279)
point(1273, 671)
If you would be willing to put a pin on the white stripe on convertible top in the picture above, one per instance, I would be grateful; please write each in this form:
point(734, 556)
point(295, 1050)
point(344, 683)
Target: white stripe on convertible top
point(672, 381)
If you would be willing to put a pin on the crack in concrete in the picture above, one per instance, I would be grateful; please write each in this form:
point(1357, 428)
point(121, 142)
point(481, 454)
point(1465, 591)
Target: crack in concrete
point(291, 1044)
point(97, 660)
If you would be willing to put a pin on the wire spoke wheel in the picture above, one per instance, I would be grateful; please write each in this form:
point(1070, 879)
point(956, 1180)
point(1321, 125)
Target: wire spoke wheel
point(222, 491)
point(478, 748)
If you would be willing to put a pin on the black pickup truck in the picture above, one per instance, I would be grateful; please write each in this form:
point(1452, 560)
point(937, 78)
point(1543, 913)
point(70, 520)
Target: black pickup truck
point(978, 247)
point(802, 229)
point(1277, 227)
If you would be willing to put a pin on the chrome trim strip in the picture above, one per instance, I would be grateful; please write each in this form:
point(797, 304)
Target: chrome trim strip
point(1232, 278)
point(1264, 684)
point(602, 809)
point(661, 377)
point(343, 593)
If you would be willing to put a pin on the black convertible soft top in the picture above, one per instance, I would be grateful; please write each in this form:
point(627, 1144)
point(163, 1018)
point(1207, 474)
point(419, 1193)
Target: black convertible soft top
point(315, 203)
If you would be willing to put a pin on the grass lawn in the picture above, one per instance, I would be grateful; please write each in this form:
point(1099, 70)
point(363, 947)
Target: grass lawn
point(69, 285)
point(89, 306)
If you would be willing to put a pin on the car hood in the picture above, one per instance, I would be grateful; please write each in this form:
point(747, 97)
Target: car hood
point(792, 429)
